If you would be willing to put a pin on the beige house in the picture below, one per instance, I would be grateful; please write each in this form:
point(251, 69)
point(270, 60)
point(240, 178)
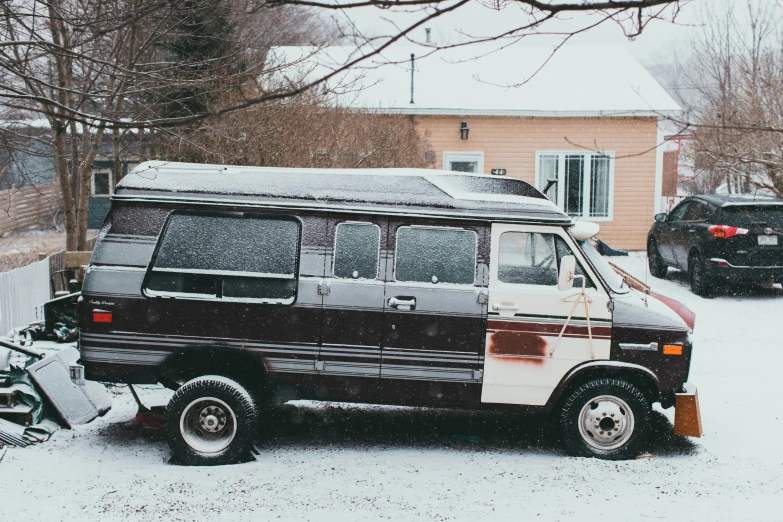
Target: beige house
point(586, 123)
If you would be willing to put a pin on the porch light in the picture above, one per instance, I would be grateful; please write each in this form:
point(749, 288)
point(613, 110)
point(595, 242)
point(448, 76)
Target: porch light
point(464, 130)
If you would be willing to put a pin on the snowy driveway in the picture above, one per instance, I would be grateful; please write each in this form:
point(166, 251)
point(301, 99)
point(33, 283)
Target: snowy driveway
point(332, 462)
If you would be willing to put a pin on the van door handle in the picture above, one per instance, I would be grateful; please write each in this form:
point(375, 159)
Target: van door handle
point(505, 307)
point(692, 230)
point(403, 303)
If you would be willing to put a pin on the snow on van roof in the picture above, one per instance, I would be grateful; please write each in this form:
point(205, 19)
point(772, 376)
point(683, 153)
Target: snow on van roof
point(421, 191)
point(515, 80)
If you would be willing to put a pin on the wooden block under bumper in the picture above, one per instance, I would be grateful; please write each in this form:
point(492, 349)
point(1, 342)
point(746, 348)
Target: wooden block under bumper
point(687, 417)
point(77, 258)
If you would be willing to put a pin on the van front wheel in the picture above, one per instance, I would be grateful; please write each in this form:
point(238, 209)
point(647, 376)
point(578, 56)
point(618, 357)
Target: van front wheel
point(211, 420)
point(605, 418)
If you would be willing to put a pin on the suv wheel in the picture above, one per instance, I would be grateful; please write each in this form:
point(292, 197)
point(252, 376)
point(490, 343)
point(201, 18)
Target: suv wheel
point(605, 418)
point(701, 283)
point(211, 420)
point(657, 267)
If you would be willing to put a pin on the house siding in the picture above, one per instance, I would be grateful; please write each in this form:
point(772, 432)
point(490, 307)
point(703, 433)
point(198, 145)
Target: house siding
point(512, 142)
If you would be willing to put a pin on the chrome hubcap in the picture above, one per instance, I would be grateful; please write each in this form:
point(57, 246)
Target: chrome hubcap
point(208, 425)
point(606, 422)
point(212, 419)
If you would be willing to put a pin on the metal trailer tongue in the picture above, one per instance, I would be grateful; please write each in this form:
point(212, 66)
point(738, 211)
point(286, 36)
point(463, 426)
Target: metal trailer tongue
point(74, 403)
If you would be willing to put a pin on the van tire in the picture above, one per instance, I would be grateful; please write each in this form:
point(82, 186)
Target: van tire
point(593, 407)
point(211, 420)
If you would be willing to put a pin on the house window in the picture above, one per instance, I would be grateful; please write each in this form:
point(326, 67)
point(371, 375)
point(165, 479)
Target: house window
point(130, 165)
point(472, 162)
point(580, 183)
point(102, 182)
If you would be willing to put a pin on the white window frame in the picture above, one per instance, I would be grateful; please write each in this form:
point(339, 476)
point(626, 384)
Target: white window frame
point(476, 156)
point(561, 154)
point(102, 170)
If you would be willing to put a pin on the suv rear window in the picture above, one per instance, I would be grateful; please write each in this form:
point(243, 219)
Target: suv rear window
point(746, 216)
point(231, 258)
point(435, 255)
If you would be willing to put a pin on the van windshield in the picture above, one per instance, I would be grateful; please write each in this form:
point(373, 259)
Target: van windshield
point(605, 270)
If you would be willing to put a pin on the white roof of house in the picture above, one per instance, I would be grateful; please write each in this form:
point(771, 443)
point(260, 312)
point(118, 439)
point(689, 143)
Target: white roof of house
point(521, 80)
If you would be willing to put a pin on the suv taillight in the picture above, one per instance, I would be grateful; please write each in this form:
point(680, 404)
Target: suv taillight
point(725, 232)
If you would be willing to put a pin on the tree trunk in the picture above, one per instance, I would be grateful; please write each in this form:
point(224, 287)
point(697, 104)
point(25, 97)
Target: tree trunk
point(143, 156)
point(64, 179)
point(115, 153)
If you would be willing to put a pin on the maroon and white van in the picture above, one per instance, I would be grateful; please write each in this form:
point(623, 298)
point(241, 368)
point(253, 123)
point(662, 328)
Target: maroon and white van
point(241, 286)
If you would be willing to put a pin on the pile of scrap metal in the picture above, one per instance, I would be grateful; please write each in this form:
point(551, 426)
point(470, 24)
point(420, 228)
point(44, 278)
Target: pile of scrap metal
point(59, 324)
point(37, 394)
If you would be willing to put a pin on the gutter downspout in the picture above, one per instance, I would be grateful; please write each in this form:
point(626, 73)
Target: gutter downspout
point(659, 137)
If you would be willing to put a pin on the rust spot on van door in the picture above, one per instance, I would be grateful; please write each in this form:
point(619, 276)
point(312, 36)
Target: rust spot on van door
point(526, 345)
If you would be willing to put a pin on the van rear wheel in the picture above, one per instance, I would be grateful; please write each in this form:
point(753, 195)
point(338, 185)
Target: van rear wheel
point(211, 420)
point(605, 418)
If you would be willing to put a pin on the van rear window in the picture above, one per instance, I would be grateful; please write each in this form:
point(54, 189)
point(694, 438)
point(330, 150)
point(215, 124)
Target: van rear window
point(233, 258)
point(435, 255)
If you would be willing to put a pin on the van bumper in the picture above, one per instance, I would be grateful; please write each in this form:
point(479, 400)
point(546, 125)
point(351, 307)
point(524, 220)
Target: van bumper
point(687, 417)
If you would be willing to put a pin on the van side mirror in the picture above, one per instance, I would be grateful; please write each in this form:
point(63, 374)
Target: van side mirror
point(565, 278)
point(660, 218)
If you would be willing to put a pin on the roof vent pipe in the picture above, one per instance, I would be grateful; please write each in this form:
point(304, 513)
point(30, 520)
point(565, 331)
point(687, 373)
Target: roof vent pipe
point(413, 68)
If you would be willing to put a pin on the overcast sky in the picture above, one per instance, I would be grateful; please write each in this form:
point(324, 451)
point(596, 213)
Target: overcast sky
point(657, 42)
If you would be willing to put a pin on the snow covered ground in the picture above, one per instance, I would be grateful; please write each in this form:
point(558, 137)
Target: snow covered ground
point(342, 462)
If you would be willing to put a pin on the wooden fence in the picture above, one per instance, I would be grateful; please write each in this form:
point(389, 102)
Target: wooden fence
point(25, 207)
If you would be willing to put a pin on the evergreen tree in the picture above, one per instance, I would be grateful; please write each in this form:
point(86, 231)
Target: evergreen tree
point(205, 58)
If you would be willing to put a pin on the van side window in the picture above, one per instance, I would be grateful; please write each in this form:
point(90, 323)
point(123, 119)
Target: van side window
point(527, 258)
point(356, 250)
point(231, 258)
point(435, 255)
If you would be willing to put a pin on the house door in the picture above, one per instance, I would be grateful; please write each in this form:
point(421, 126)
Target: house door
point(433, 332)
point(525, 359)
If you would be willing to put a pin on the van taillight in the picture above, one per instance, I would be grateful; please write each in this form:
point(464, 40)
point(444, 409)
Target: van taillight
point(725, 232)
point(101, 317)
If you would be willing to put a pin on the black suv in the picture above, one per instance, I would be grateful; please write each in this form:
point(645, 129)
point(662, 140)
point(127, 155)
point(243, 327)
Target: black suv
point(719, 239)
